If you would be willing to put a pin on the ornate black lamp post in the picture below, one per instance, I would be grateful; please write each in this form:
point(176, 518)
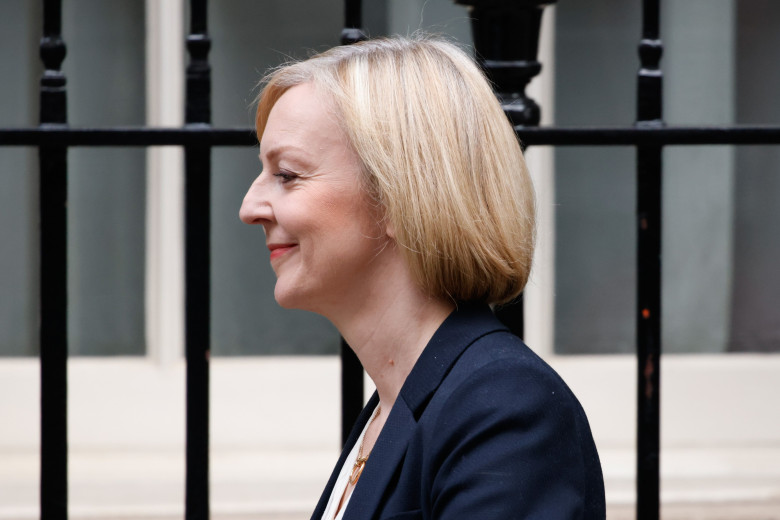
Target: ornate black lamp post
point(506, 40)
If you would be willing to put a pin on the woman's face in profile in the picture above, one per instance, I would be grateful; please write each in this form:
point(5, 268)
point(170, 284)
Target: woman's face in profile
point(323, 233)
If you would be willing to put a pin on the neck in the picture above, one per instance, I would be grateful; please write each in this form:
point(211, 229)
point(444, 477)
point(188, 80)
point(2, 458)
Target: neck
point(388, 332)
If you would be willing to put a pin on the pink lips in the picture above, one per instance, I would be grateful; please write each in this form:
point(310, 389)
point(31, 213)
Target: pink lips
point(278, 250)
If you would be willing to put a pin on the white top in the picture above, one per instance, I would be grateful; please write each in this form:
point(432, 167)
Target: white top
point(343, 480)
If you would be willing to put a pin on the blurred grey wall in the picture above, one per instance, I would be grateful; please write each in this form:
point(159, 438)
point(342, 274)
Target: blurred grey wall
point(720, 239)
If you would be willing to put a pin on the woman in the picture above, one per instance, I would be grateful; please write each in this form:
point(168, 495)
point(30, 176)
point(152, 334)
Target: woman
point(395, 202)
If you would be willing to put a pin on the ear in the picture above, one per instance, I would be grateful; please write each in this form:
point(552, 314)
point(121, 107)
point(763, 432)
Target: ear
point(389, 229)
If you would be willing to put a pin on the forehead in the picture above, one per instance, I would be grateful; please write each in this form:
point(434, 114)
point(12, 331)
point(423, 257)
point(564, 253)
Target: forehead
point(302, 118)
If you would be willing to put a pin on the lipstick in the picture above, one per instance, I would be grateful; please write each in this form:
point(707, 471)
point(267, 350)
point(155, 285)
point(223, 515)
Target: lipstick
point(278, 250)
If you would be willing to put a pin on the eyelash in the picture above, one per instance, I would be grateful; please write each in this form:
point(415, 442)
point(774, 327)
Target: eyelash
point(285, 176)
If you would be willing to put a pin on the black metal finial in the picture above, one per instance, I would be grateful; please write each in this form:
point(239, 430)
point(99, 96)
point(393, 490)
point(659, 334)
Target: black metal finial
point(53, 107)
point(650, 88)
point(506, 41)
point(198, 95)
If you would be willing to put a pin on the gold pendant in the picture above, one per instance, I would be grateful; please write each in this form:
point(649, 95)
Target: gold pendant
point(357, 469)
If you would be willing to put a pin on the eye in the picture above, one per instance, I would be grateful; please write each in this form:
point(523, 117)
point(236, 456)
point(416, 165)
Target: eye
point(285, 176)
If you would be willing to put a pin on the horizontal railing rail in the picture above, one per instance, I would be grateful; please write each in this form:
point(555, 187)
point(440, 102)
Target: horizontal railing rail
point(57, 135)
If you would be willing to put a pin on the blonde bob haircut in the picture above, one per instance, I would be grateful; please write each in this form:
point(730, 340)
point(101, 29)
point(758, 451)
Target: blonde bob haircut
point(438, 154)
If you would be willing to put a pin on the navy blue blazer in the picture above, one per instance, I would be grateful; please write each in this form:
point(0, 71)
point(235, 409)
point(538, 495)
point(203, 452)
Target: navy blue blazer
point(482, 429)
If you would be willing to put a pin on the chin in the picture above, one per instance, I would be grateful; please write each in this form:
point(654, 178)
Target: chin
point(289, 298)
point(284, 300)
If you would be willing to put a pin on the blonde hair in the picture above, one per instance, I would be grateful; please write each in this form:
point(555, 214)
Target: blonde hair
point(437, 153)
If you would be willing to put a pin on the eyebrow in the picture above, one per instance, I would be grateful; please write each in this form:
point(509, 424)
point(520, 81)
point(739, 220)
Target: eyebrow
point(274, 152)
point(298, 154)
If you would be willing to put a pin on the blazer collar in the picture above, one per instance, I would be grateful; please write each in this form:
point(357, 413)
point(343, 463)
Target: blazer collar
point(387, 455)
point(465, 324)
point(357, 429)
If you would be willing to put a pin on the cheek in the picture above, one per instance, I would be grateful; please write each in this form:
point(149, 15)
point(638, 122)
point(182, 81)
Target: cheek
point(334, 218)
point(340, 213)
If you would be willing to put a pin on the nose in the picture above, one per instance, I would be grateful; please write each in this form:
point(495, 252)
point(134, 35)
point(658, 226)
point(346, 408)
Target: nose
point(256, 208)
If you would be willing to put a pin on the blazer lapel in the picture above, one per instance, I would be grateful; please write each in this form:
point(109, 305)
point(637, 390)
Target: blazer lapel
point(353, 436)
point(387, 454)
point(464, 326)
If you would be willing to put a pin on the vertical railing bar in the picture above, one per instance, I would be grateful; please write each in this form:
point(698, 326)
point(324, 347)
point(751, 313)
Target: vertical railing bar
point(649, 179)
point(352, 391)
point(197, 160)
point(53, 195)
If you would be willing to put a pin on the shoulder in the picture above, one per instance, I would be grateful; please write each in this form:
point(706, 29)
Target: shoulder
point(500, 363)
point(505, 426)
point(499, 376)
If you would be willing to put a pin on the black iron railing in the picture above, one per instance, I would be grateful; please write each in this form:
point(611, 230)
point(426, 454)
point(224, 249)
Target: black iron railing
point(511, 63)
point(53, 197)
point(197, 265)
point(648, 295)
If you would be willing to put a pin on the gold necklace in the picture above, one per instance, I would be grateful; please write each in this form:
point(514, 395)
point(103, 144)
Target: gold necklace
point(360, 462)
